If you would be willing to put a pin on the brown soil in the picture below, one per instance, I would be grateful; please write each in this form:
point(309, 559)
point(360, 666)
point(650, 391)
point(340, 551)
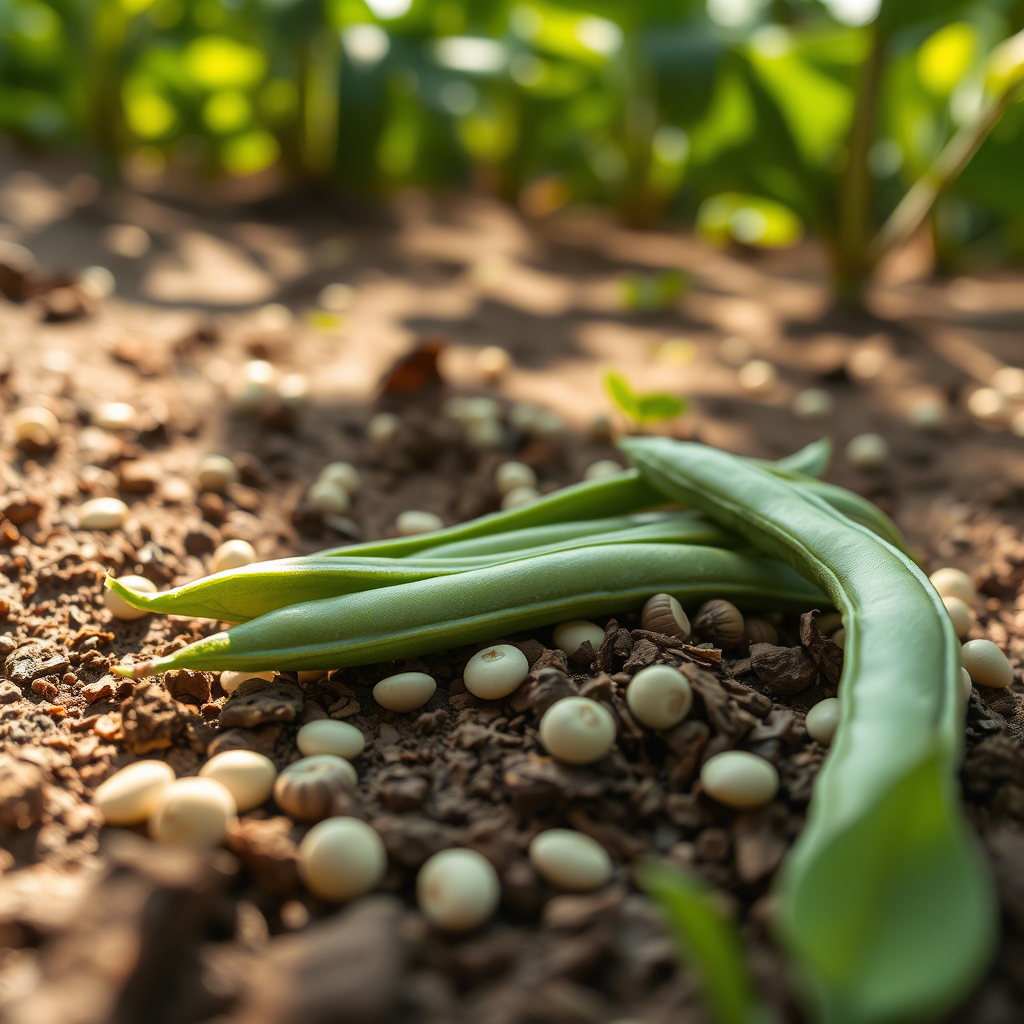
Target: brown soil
point(101, 925)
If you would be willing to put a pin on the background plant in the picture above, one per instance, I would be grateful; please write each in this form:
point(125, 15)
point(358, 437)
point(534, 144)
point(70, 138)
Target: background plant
point(754, 120)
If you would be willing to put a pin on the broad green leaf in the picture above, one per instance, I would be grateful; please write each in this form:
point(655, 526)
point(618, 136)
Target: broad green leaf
point(708, 942)
point(622, 395)
point(946, 56)
point(859, 909)
point(750, 220)
point(219, 62)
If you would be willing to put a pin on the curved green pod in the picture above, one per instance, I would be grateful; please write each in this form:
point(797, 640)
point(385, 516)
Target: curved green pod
point(237, 595)
point(432, 615)
point(885, 901)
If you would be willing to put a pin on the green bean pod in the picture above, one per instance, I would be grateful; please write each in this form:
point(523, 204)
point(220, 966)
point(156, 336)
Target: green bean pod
point(593, 499)
point(237, 595)
point(884, 900)
point(435, 614)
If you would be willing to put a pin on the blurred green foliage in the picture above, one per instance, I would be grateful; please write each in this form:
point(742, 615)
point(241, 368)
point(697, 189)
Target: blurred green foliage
point(754, 119)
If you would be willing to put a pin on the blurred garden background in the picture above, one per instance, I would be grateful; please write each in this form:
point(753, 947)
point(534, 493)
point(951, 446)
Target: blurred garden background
point(756, 122)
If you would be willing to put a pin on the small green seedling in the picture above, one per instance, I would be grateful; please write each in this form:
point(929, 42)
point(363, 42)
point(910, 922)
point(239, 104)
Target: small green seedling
point(643, 410)
point(652, 293)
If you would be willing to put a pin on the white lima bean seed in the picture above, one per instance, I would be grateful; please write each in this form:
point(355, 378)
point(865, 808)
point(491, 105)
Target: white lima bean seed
point(928, 413)
point(215, 472)
point(512, 475)
point(119, 607)
point(193, 812)
point(739, 779)
point(839, 637)
point(293, 389)
point(232, 554)
point(102, 514)
point(308, 788)
point(520, 496)
point(492, 362)
point(131, 795)
point(966, 683)
point(601, 469)
point(822, 720)
point(496, 672)
point(659, 696)
point(950, 582)
point(577, 730)
point(412, 521)
point(988, 405)
point(960, 615)
point(341, 858)
point(572, 635)
point(247, 775)
point(231, 681)
point(344, 474)
point(329, 736)
point(1010, 381)
point(36, 425)
point(867, 451)
point(404, 691)
point(758, 376)
point(328, 496)
point(458, 890)
point(570, 860)
point(257, 384)
point(115, 416)
point(813, 403)
point(486, 433)
point(986, 663)
point(381, 426)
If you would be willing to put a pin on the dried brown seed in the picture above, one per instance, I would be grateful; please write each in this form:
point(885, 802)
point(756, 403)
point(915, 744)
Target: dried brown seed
point(664, 614)
point(721, 622)
point(760, 631)
point(307, 789)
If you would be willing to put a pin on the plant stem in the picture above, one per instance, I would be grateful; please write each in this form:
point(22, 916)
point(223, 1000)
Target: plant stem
point(915, 207)
point(851, 265)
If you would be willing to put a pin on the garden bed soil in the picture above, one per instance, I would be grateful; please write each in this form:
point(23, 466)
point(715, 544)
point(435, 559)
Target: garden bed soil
point(101, 925)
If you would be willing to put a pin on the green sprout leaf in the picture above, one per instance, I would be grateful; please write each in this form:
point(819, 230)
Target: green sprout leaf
point(643, 409)
point(710, 944)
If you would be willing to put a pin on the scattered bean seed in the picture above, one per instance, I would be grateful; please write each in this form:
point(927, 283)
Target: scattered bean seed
point(965, 679)
point(1017, 424)
point(328, 496)
point(336, 297)
point(257, 384)
point(458, 890)
point(307, 789)
point(546, 422)
point(928, 413)
point(960, 614)
point(119, 607)
point(36, 425)
point(577, 730)
point(232, 554)
point(602, 468)
point(484, 433)
point(115, 416)
point(839, 637)
point(950, 582)
point(570, 860)
point(493, 363)
point(381, 426)
point(868, 451)
point(293, 389)
point(231, 681)
point(130, 795)
point(102, 514)
point(98, 282)
point(572, 635)
point(813, 403)
point(822, 720)
point(986, 663)
point(512, 475)
point(192, 812)
point(215, 472)
point(520, 496)
point(496, 672)
point(247, 775)
point(758, 376)
point(759, 631)
point(341, 858)
point(721, 622)
point(988, 405)
point(330, 736)
point(1010, 381)
point(522, 416)
point(739, 779)
point(659, 696)
point(412, 522)
point(343, 473)
point(664, 614)
point(404, 691)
